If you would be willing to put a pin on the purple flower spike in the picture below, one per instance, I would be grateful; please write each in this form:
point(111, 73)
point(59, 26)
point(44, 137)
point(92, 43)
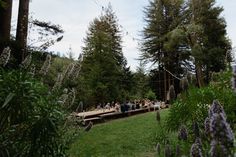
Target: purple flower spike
point(218, 150)
point(220, 130)
point(183, 134)
point(207, 126)
point(196, 151)
point(216, 108)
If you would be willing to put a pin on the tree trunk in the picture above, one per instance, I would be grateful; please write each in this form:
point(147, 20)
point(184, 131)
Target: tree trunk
point(22, 27)
point(5, 21)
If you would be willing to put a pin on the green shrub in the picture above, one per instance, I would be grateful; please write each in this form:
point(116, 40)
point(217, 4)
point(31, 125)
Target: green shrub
point(193, 105)
point(151, 95)
point(30, 117)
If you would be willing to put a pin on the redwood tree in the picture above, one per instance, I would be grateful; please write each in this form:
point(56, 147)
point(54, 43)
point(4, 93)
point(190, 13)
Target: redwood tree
point(22, 27)
point(5, 18)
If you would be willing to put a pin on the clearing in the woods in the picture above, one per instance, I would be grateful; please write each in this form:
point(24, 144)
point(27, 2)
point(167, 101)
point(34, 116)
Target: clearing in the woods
point(133, 136)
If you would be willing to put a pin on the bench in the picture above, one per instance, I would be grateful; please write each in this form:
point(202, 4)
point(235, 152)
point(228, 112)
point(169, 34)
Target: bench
point(93, 115)
point(95, 120)
point(138, 111)
point(115, 115)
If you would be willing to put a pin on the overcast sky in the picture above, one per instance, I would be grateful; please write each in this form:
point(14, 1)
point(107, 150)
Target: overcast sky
point(75, 15)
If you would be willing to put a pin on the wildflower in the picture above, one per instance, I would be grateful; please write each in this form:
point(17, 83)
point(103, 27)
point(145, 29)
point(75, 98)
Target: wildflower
point(75, 71)
point(32, 69)
point(158, 149)
point(218, 150)
point(216, 108)
point(72, 95)
point(207, 126)
point(70, 98)
point(199, 142)
point(221, 134)
point(183, 134)
point(220, 130)
point(196, 151)
point(63, 98)
point(58, 82)
point(5, 56)
point(71, 72)
point(68, 71)
point(26, 63)
point(46, 65)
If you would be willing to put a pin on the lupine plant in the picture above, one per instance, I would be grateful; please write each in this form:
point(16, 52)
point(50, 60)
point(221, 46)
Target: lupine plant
point(196, 149)
point(31, 120)
point(27, 61)
point(216, 140)
point(221, 135)
point(5, 56)
point(46, 65)
point(183, 134)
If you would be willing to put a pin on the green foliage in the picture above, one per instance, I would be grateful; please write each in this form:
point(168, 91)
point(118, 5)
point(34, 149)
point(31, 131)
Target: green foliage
point(150, 95)
point(30, 117)
point(140, 83)
point(58, 66)
point(2, 4)
point(104, 76)
point(162, 45)
point(193, 104)
point(176, 32)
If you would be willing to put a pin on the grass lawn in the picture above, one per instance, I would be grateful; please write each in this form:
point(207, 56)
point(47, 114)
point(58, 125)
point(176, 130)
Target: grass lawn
point(133, 136)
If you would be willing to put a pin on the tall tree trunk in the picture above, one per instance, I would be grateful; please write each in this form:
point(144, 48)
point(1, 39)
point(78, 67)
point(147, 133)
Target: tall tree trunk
point(22, 27)
point(5, 21)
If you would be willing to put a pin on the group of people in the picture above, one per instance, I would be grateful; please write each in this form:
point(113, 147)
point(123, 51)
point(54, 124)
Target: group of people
point(130, 105)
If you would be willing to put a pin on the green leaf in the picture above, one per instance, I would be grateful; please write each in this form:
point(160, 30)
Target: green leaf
point(3, 4)
point(8, 99)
